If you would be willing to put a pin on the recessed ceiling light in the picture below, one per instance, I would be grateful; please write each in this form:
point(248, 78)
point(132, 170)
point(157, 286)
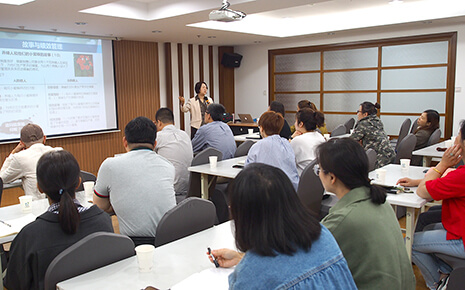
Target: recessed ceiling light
point(211, 36)
point(331, 33)
point(80, 23)
point(427, 22)
point(83, 32)
point(15, 2)
point(21, 27)
point(54, 29)
point(257, 41)
point(394, 2)
point(156, 31)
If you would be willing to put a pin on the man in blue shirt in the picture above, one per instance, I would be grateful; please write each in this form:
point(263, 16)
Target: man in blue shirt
point(215, 133)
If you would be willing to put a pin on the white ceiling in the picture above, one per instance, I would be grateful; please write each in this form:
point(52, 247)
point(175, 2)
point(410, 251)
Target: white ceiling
point(281, 18)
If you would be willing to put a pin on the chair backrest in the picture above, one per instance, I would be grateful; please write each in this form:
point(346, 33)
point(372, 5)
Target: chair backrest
point(340, 130)
point(85, 176)
point(371, 154)
point(434, 138)
point(405, 149)
point(349, 124)
point(94, 251)
point(414, 125)
point(194, 178)
point(310, 189)
point(244, 148)
point(190, 216)
point(404, 128)
point(456, 279)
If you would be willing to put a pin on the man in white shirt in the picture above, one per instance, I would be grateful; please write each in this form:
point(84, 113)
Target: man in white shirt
point(22, 161)
point(175, 145)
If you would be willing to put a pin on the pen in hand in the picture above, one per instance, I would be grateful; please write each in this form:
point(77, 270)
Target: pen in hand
point(213, 257)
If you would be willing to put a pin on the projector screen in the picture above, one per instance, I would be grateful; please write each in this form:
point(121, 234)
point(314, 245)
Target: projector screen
point(63, 84)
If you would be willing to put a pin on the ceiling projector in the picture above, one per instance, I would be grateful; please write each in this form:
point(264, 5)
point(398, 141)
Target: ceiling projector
point(224, 14)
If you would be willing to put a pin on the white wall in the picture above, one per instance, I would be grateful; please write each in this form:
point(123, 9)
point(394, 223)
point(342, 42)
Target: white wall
point(251, 78)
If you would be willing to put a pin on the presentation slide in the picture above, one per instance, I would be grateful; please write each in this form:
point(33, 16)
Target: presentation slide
point(63, 84)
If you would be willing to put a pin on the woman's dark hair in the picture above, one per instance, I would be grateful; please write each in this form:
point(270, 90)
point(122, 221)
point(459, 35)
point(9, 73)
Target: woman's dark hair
point(311, 119)
point(306, 104)
point(347, 160)
point(370, 108)
point(269, 217)
point(198, 85)
point(277, 107)
point(271, 122)
point(432, 117)
point(58, 177)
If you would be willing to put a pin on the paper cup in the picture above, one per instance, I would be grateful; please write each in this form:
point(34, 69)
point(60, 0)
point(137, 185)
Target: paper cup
point(89, 189)
point(448, 143)
point(213, 161)
point(327, 136)
point(250, 131)
point(380, 176)
point(145, 257)
point(26, 203)
point(405, 164)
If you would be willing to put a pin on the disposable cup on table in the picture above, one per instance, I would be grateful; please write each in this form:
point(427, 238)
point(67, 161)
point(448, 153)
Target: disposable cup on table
point(380, 176)
point(26, 203)
point(213, 161)
point(145, 257)
point(250, 131)
point(88, 189)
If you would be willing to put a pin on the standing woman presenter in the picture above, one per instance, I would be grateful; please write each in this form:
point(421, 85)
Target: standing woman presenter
point(196, 106)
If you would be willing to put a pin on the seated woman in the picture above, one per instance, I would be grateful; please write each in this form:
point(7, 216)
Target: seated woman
point(428, 122)
point(283, 246)
point(273, 149)
point(362, 222)
point(305, 139)
point(307, 104)
point(369, 131)
point(451, 190)
point(63, 224)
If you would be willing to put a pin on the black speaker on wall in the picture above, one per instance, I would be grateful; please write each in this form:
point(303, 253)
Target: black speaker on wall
point(231, 59)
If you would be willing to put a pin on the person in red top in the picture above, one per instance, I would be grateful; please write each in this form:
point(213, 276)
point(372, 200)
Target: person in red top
point(448, 237)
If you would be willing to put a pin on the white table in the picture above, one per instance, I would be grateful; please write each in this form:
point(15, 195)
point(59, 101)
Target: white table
point(224, 168)
point(410, 201)
point(244, 137)
point(430, 152)
point(173, 263)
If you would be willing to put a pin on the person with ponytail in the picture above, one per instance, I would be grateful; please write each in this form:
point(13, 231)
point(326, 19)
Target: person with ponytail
point(306, 138)
point(362, 222)
point(369, 131)
point(64, 223)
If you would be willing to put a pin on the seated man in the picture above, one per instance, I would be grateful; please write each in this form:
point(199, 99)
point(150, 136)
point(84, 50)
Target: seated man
point(215, 133)
point(22, 161)
point(136, 186)
point(273, 149)
point(175, 145)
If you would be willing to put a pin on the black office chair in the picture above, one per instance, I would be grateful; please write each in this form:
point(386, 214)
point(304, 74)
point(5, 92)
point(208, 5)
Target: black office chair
point(310, 189)
point(349, 124)
point(94, 251)
point(403, 131)
point(405, 149)
point(85, 176)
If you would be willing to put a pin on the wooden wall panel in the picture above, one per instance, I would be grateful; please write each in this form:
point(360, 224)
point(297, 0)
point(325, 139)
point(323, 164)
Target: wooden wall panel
point(226, 81)
point(137, 89)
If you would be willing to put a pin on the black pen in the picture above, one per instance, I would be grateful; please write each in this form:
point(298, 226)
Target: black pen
point(213, 257)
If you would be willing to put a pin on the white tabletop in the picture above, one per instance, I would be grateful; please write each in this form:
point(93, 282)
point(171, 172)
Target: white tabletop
point(431, 151)
point(244, 137)
point(393, 174)
point(173, 263)
point(224, 168)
